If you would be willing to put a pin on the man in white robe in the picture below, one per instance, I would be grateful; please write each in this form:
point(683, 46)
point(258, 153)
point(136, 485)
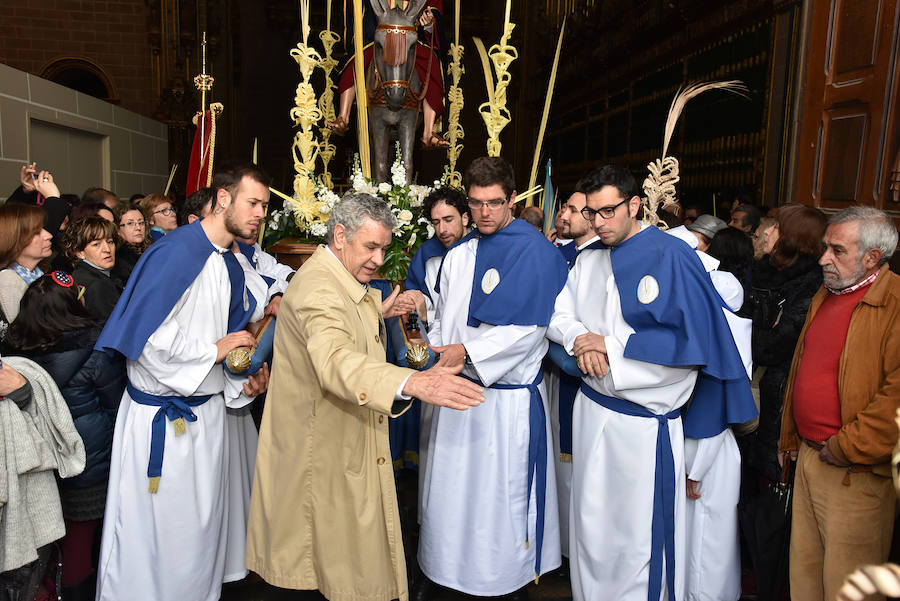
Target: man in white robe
point(628, 508)
point(165, 533)
point(713, 470)
point(448, 211)
point(573, 228)
point(490, 522)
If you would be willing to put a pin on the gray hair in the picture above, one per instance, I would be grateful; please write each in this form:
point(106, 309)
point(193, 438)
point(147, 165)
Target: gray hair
point(353, 210)
point(876, 229)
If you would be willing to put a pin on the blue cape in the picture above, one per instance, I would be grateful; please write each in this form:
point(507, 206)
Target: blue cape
point(415, 277)
point(531, 273)
point(683, 325)
point(249, 251)
point(569, 252)
point(165, 270)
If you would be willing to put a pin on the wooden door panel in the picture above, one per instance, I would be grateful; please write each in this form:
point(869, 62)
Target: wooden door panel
point(854, 39)
point(847, 137)
point(844, 140)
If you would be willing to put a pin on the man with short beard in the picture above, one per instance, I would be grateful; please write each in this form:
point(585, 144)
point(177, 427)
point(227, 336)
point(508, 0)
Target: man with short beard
point(842, 396)
point(184, 309)
point(562, 387)
point(447, 210)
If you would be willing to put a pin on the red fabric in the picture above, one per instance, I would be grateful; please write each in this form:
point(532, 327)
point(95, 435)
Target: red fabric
point(196, 176)
point(817, 405)
point(76, 551)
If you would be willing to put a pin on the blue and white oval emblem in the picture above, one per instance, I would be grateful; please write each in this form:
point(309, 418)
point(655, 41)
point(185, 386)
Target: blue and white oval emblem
point(648, 289)
point(490, 280)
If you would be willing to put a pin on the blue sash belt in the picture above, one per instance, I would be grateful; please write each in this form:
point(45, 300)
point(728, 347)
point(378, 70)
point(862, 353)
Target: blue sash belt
point(663, 526)
point(537, 458)
point(174, 408)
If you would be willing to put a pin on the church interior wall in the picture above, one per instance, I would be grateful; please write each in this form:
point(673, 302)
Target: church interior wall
point(83, 141)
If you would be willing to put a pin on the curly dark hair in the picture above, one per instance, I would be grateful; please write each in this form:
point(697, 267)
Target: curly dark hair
point(453, 197)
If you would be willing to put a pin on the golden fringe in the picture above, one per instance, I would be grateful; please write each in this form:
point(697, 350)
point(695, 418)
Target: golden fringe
point(154, 485)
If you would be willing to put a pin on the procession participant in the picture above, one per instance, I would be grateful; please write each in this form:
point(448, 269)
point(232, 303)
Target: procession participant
point(562, 387)
point(713, 467)
point(324, 509)
point(642, 346)
point(448, 211)
point(243, 437)
point(432, 41)
point(276, 275)
point(183, 310)
point(489, 470)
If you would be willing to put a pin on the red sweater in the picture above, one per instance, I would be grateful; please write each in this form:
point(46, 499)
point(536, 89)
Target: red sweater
point(817, 406)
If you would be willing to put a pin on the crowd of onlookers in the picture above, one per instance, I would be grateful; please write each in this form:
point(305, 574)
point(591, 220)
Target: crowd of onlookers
point(64, 262)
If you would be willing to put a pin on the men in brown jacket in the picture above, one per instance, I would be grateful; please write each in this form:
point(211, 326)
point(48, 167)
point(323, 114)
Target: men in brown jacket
point(323, 512)
point(842, 395)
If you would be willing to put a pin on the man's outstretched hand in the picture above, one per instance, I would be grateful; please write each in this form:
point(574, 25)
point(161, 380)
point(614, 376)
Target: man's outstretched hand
point(442, 387)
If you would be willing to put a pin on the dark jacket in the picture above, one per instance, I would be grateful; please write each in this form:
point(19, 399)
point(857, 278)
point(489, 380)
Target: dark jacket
point(780, 300)
point(92, 383)
point(126, 258)
point(868, 378)
point(101, 291)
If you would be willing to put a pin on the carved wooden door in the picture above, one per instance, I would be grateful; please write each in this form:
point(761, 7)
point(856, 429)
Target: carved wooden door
point(848, 138)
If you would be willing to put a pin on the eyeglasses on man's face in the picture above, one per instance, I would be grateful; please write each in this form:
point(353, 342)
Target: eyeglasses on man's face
point(132, 224)
point(605, 212)
point(492, 205)
point(167, 211)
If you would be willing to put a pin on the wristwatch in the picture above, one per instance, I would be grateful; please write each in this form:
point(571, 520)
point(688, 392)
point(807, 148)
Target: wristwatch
point(468, 360)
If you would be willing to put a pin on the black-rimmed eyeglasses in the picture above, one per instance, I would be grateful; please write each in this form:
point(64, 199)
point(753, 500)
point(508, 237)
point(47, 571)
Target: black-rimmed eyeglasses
point(605, 212)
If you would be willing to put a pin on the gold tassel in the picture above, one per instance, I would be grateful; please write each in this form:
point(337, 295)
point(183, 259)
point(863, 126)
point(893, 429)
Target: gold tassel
point(536, 576)
point(526, 544)
point(179, 427)
point(154, 485)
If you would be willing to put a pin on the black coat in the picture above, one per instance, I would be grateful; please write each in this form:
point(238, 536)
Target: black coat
point(101, 292)
point(780, 300)
point(126, 258)
point(92, 382)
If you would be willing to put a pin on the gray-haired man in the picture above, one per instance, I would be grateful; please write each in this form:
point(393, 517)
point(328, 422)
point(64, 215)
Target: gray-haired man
point(323, 511)
point(839, 408)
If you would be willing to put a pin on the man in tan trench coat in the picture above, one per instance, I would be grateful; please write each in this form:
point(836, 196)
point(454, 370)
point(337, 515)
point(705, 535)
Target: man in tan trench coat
point(323, 512)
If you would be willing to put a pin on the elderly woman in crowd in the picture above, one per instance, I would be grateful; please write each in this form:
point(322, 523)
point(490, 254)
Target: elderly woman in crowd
point(784, 282)
point(160, 215)
point(56, 331)
point(132, 239)
point(23, 244)
point(90, 243)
